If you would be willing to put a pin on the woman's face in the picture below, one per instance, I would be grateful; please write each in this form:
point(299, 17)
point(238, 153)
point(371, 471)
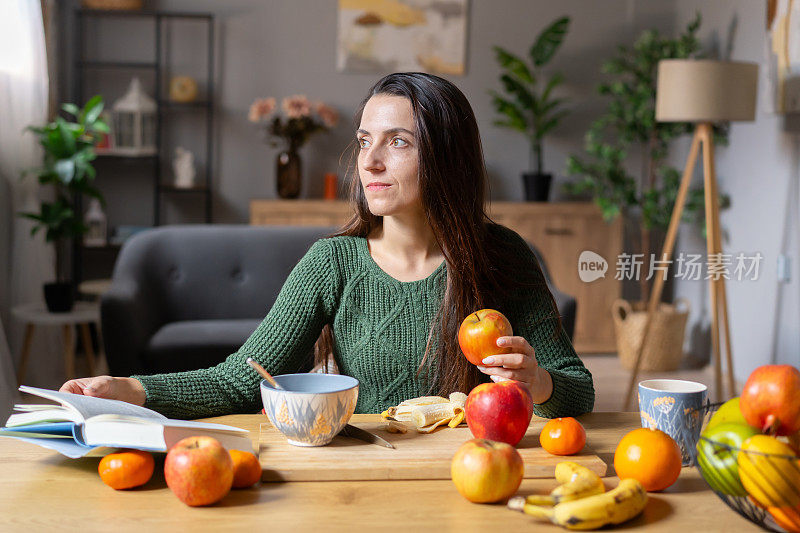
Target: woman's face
point(387, 160)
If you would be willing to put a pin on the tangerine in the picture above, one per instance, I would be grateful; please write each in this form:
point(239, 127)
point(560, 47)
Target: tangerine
point(650, 456)
point(246, 469)
point(126, 469)
point(787, 517)
point(563, 436)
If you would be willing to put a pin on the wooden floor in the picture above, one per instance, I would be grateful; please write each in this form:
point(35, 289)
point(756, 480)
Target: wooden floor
point(611, 380)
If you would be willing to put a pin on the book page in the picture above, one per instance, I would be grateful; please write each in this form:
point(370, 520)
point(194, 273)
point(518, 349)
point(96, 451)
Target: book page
point(67, 447)
point(89, 406)
point(168, 422)
point(55, 413)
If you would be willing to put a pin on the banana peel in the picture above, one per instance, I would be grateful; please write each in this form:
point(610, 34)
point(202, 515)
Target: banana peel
point(427, 413)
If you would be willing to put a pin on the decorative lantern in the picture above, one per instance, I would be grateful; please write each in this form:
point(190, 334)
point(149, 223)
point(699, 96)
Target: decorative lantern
point(135, 122)
point(96, 223)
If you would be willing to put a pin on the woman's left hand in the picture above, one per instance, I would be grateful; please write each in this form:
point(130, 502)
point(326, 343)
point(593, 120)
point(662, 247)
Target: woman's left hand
point(519, 365)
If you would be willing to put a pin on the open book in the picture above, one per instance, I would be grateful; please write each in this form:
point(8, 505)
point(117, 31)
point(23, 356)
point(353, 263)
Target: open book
point(83, 425)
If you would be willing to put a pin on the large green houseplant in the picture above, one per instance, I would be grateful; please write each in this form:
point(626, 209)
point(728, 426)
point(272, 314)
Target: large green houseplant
point(528, 105)
point(67, 169)
point(645, 199)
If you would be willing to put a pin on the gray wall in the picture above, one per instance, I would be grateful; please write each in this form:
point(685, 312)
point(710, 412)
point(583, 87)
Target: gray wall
point(280, 48)
point(759, 170)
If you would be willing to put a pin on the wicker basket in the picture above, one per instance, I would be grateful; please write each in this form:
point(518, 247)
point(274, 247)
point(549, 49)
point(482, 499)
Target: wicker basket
point(664, 349)
point(112, 4)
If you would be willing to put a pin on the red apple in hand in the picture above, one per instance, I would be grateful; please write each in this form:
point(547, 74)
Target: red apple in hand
point(485, 472)
point(479, 332)
point(199, 470)
point(499, 411)
point(771, 399)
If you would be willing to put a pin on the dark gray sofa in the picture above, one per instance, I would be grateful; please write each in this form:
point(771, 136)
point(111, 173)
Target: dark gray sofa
point(185, 297)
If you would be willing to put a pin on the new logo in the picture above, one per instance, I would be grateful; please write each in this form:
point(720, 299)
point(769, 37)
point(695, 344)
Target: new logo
point(591, 266)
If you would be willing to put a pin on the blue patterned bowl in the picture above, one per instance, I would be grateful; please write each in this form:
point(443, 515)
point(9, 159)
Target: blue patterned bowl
point(312, 409)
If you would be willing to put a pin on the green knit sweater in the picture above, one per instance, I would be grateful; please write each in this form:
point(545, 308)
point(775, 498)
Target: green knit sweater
point(380, 328)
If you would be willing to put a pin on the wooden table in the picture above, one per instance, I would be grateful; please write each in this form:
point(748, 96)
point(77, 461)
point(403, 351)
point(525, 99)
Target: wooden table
point(41, 490)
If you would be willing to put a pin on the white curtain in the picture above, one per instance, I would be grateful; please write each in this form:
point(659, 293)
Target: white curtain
point(27, 262)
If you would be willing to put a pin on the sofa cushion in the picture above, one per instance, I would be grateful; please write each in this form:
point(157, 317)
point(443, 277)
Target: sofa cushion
point(191, 344)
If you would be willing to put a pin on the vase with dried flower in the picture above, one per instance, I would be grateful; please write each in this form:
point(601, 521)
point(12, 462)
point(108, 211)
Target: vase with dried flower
point(301, 120)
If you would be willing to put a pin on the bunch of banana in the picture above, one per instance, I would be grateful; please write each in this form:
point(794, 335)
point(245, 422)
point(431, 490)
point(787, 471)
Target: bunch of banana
point(576, 482)
point(427, 413)
point(616, 506)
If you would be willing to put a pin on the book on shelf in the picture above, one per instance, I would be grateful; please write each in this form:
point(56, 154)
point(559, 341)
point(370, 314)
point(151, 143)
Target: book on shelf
point(81, 426)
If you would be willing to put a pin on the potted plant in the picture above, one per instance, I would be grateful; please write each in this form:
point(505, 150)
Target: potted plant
point(529, 105)
point(645, 199)
point(293, 131)
point(68, 153)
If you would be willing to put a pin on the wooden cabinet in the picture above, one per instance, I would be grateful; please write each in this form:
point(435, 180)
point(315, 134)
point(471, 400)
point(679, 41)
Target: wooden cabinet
point(561, 231)
point(299, 212)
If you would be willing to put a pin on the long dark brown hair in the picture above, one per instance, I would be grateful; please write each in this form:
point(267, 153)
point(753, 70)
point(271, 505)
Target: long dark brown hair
point(453, 190)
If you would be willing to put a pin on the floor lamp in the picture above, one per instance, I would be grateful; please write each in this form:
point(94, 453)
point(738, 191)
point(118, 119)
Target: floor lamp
point(701, 92)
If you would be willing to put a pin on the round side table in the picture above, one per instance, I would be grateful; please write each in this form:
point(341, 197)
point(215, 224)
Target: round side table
point(83, 314)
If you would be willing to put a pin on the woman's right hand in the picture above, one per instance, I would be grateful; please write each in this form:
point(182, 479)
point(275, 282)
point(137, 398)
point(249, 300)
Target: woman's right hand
point(126, 389)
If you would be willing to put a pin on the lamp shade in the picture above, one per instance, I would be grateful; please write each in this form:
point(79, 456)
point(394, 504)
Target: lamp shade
point(700, 90)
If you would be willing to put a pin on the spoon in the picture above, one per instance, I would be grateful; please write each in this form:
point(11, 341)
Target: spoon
point(348, 431)
point(264, 374)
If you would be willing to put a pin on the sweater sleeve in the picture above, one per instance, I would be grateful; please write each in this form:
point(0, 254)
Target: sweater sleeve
point(536, 319)
point(281, 343)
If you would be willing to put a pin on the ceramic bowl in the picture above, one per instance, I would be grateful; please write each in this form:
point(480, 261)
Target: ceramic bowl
point(312, 409)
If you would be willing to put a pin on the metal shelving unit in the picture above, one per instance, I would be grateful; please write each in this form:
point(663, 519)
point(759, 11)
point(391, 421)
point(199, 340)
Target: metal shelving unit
point(167, 111)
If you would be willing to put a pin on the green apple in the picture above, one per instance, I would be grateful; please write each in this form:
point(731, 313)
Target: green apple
point(727, 412)
point(717, 459)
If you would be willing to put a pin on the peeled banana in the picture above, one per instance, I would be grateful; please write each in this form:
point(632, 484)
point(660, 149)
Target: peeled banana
point(616, 506)
point(427, 413)
point(576, 482)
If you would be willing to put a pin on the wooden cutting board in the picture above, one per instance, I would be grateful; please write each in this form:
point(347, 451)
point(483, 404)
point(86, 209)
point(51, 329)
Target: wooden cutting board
point(417, 455)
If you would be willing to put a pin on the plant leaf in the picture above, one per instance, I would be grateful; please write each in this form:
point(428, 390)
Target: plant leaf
point(65, 169)
point(515, 116)
point(554, 81)
point(100, 126)
point(549, 41)
point(93, 102)
point(513, 64)
point(551, 123)
point(521, 93)
point(67, 137)
point(72, 109)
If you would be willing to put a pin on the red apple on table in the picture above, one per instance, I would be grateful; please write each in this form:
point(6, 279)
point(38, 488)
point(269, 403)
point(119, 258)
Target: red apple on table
point(771, 399)
point(479, 332)
point(499, 411)
point(484, 471)
point(199, 470)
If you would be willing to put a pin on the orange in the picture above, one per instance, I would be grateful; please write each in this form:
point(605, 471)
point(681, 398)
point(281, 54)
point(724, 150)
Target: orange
point(563, 436)
point(787, 517)
point(246, 469)
point(127, 469)
point(649, 456)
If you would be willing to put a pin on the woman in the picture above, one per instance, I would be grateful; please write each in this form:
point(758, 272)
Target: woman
point(390, 290)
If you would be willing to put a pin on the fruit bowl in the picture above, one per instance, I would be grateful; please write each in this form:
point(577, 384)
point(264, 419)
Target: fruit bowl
point(760, 485)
